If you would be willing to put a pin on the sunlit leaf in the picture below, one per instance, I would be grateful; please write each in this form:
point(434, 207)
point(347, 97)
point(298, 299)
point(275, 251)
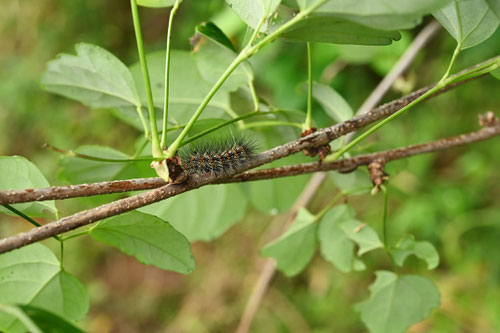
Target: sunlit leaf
point(187, 88)
point(361, 233)
point(214, 53)
point(409, 246)
point(94, 77)
point(17, 173)
point(335, 246)
point(38, 320)
point(332, 102)
point(328, 29)
point(78, 170)
point(470, 22)
point(32, 276)
point(397, 302)
point(294, 249)
point(203, 214)
point(379, 14)
point(252, 11)
point(211, 31)
point(149, 239)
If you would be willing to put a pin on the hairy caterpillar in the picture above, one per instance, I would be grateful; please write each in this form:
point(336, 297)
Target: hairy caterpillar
point(221, 157)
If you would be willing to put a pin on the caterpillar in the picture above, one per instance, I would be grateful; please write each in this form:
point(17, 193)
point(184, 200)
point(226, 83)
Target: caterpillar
point(226, 155)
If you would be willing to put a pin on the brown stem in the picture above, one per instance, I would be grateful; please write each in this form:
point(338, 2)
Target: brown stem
point(124, 205)
point(321, 137)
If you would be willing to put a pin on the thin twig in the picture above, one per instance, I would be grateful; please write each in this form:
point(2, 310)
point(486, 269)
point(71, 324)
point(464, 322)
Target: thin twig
point(318, 138)
point(124, 205)
point(321, 137)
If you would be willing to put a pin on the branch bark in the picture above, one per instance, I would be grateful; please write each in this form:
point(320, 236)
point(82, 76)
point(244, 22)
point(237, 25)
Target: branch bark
point(318, 138)
point(492, 128)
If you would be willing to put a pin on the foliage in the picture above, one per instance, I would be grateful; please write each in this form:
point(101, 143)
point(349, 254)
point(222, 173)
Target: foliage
point(215, 83)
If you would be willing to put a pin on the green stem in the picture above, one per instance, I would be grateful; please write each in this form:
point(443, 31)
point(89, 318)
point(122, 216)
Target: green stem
point(330, 205)
point(78, 234)
point(167, 75)
point(216, 127)
point(145, 127)
point(256, 31)
point(85, 232)
point(272, 123)
point(21, 214)
point(452, 62)
point(308, 122)
point(483, 69)
point(71, 153)
point(26, 217)
point(384, 217)
point(246, 53)
point(476, 72)
point(382, 123)
point(61, 247)
point(255, 98)
point(156, 149)
point(177, 143)
point(336, 198)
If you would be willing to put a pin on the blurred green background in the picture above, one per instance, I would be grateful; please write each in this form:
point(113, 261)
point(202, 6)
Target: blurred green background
point(451, 199)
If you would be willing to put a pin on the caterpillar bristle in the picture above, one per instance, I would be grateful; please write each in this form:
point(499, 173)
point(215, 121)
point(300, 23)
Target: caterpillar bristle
point(222, 156)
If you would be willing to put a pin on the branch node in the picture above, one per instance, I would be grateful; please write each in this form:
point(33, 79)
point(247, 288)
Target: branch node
point(322, 150)
point(378, 175)
point(488, 120)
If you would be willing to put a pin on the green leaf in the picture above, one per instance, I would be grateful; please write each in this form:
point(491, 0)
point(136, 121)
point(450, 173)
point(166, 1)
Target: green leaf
point(295, 248)
point(187, 88)
point(156, 3)
point(149, 239)
point(335, 30)
point(17, 173)
point(423, 250)
point(94, 77)
point(397, 302)
point(335, 246)
point(470, 22)
point(211, 31)
point(36, 319)
point(212, 56)
point(361, 233)
point(32, 276)
point(203, 214)
point(496, 73)
point(352, 180)
point(252, 11)
point(332, 102)
point(78, 170)
point(19, 314)
point(378, 14)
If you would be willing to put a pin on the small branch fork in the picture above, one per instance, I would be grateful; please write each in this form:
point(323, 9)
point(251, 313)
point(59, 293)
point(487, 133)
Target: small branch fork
point(344, 166)
point(491, 128)
point(316, 139)
point(321, 137)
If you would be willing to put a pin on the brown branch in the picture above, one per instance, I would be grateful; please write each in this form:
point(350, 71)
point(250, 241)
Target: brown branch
point(80, 190)
point(492, 128)
point(321, 137)
point(350, 164)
